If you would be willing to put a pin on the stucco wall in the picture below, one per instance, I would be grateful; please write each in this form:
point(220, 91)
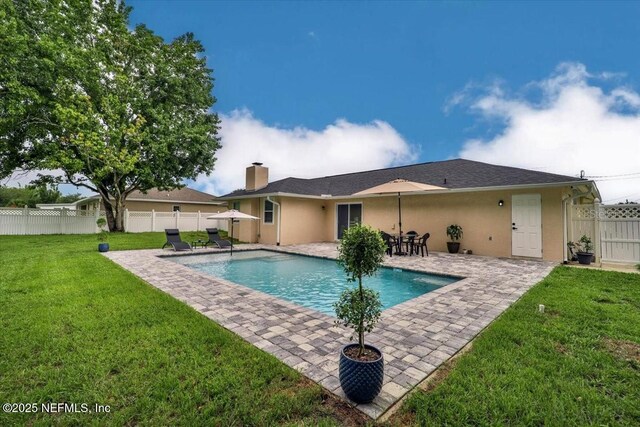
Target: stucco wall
point(303, 221)
point(486, 226)
point(247, 230)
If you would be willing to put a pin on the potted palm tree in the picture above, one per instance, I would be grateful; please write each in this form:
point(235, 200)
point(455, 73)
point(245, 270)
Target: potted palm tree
point(585, 254)
point(361, 366)
point(454, 231)
point(103, 246)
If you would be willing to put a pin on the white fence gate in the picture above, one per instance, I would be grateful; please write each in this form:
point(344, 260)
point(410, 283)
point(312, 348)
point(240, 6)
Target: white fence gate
point(23, 221)
point(614, 229)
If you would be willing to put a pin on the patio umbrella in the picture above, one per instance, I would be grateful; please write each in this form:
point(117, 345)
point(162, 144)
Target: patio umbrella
point(232, 214)
point(399, 186)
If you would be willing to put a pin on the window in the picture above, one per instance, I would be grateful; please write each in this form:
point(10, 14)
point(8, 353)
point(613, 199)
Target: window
point(236, 206)
point(268, 212)
point(176, 208)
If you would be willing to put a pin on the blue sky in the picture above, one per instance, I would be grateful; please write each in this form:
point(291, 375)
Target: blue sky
point(338, 86)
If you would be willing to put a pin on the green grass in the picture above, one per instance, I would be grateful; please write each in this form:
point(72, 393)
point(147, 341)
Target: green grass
point(76, 328)
point(576, 364)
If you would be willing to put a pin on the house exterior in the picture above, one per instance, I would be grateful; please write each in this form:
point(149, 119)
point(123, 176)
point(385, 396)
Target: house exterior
point(504, 211)
point(183, 199)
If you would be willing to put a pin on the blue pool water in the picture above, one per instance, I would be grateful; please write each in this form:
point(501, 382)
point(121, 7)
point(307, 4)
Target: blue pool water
point(311, 282)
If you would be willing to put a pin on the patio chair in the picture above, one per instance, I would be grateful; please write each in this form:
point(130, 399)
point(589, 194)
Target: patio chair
point(173, 239)
point(410, 242)
point(389, 240)
point(421, 244)
point(215, 239)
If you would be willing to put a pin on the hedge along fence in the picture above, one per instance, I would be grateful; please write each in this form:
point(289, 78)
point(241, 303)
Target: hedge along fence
point(26, 221)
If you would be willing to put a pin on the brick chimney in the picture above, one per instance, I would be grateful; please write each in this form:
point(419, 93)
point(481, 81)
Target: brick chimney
point(257, 177)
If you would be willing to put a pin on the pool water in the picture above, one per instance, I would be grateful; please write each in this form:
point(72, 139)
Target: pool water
point(311, 282)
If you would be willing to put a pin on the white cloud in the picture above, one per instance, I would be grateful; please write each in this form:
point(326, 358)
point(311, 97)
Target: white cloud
point(20, 178)
point(340, 147)
point(573, 125)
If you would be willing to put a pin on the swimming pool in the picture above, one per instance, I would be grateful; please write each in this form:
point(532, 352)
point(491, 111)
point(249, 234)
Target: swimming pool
point(311, 282)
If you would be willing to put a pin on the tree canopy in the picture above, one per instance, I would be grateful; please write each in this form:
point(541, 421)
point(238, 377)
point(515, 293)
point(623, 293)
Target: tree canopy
point(114, 109)
point(32, 195)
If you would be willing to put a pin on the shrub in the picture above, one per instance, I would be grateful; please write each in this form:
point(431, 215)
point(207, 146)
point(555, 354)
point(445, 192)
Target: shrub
point(361, 253)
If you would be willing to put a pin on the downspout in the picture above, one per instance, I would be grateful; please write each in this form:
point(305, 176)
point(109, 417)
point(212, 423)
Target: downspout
point(278, 221)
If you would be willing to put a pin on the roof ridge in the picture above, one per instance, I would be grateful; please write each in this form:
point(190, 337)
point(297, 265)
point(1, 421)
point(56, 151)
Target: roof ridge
point(381, 169)
point(521, 169)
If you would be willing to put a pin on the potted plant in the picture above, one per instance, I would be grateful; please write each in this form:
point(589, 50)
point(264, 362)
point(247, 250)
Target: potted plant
point(454, 231)
point(103, 246)
point(361, 366)
point(571, 246)
point(585, 254)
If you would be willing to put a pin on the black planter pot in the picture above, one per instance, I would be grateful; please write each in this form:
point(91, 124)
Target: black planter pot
point(361, 381)
point(453, 247)
point(103, 247)
point(584, 258)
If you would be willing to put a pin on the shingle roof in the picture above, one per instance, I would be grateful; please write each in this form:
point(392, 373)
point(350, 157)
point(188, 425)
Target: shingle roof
point(184, 194)
point(452, 174)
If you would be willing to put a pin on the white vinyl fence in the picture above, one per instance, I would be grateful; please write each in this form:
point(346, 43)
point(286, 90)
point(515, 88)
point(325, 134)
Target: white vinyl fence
point(614, 229)
point(136, 222)
point(21, 221)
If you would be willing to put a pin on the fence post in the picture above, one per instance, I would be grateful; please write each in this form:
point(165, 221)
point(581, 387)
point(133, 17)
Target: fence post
point(153, 220)
point(596, 230)
point(25, 223)
point(198, 223)
point(95, 223)
point(126, 220)
point(63, 221)
point(177, 214)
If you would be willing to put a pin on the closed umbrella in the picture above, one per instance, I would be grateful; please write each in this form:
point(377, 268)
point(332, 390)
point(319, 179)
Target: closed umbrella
point(232, 214)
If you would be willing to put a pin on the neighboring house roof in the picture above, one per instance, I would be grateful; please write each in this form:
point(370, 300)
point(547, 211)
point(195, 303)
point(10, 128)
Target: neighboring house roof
point(184, 195)
point(180, 195)
point(450, 174)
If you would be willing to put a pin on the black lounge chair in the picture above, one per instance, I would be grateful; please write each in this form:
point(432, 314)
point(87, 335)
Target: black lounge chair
point(215, 239)
point(422, 244)
point(173, 239)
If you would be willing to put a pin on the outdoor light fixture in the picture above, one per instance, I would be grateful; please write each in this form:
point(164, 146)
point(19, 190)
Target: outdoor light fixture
point(500, 202)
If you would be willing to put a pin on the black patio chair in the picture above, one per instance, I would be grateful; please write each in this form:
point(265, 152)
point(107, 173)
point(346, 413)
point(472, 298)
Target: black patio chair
point(215, 239)
point(389, 240)
point(173, 239)
point(410, 242)
point(421, 244)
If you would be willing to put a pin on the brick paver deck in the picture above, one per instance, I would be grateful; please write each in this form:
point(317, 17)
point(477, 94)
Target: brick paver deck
point(415, 336)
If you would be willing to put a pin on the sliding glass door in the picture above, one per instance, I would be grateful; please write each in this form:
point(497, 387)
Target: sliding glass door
point(348, 214)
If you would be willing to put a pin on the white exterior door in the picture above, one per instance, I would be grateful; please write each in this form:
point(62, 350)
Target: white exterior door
point(526, 224)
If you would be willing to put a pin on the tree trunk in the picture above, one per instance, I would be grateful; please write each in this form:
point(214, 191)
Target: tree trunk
point(114, 211)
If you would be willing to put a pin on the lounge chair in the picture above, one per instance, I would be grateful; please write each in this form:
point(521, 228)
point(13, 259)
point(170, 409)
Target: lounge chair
point(215, 239)
point(173, 239)
point(422, 244)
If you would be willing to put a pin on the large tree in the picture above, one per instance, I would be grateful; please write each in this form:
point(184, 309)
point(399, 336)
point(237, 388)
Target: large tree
point(112, 109)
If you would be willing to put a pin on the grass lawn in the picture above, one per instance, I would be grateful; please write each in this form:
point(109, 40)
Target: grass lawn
point(576, 364)
point(76, 328)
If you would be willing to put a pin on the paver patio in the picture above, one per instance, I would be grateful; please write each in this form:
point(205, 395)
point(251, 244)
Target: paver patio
point(415, 336)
